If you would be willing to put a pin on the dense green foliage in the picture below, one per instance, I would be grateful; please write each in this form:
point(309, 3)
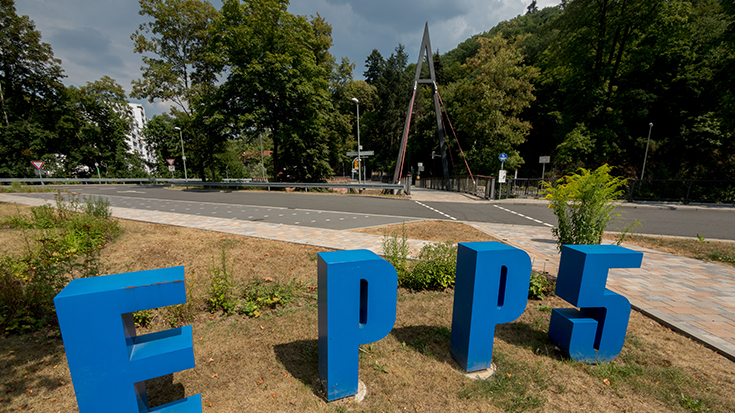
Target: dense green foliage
point(62, 243)
point(579, 82)
point(583, 205)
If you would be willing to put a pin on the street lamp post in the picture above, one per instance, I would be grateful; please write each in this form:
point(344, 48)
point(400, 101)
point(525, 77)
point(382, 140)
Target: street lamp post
point(359, 159)
point(183, 156)
point(650, 126)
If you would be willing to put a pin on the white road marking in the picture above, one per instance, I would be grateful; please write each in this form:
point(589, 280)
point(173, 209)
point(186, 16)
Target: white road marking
point(437, 211)
point(523, 216)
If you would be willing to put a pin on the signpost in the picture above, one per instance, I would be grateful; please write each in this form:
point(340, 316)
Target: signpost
point(543, 160)
point(171, 167)
point(501, 174)
point(357, 162)
point(38, 165)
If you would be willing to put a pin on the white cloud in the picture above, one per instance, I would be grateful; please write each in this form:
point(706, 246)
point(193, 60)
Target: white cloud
point(92, 37)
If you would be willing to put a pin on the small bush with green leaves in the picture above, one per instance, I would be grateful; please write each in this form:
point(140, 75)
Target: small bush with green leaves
point(260, 295)
point(541, 286)
point(583, 205)
point(61, 244)
point(435, 270)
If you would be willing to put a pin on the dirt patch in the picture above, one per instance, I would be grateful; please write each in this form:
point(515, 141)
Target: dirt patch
point(270, 363)
point(699, 249)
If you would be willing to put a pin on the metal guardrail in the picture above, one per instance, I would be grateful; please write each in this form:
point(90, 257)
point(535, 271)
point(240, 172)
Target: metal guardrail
point(404, 186)
point(486, 187)
point(682, 190)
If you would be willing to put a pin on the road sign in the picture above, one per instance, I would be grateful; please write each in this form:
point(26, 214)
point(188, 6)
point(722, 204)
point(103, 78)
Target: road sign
point(544, 159)
point(171, 168)
point(170, 161)
point(503, 157)
point(37, 164)
point(501, 176)
point(362, 153)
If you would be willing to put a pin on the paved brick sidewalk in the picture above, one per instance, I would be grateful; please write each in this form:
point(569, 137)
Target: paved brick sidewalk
point(693, 297)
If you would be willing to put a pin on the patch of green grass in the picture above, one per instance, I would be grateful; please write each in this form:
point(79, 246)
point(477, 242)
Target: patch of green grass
point(515, 386)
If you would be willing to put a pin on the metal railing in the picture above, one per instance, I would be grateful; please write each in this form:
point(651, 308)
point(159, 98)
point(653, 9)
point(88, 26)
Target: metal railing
point(682, 190)
point(403, 186)
point(486, 187)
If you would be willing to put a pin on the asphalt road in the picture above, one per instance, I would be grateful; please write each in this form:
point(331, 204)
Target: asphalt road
point(348, 212)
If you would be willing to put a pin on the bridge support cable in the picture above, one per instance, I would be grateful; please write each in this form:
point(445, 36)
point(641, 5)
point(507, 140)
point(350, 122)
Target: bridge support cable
point(425, 48)
point(455, 136)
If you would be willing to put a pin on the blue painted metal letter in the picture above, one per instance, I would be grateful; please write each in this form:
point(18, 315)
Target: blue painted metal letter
point(108, 362)
point(357, 305)
point(595, 333)
point(491, 288)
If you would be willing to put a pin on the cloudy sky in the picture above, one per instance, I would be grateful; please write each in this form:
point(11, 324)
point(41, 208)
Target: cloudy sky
point(92, 37)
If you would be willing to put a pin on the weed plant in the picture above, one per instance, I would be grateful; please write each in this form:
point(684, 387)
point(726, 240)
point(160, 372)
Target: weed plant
point(396, 251)
point(221, 293)
point(435, 270)
point(541, 286)
point(60, 244)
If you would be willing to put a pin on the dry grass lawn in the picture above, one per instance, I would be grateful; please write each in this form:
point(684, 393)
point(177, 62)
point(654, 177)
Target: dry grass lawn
point(269, 363)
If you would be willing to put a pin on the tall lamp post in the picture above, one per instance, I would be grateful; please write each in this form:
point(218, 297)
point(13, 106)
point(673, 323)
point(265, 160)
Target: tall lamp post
point(183, 157)
point(650, 126)
point(359, 159)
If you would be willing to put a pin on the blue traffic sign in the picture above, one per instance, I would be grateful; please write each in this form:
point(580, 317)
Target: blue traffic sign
point(503, 157)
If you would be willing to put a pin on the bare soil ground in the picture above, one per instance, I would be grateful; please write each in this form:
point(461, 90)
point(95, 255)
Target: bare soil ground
point(270, 363)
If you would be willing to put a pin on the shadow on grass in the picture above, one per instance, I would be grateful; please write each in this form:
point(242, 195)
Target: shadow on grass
point(431, 341)
point(25, 363)
point(301, 360)
point(528, 336)
point(162, 390)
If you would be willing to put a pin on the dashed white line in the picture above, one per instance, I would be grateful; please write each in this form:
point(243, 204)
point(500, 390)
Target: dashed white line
point(437, 211)
point(523, 216)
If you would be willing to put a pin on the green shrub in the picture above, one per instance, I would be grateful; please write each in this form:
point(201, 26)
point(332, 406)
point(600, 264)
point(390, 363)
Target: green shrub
point(435, 270)
point(583, 205)
point(396, 251)
point(221, 293)
point(541, 286)
point(62, 244)
point(260, 295)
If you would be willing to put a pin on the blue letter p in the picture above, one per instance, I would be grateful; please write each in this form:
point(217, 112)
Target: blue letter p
point(357, 305)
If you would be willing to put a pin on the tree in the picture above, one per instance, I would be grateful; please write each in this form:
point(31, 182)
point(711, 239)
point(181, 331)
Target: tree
point(30, 91)
point(277, 83)
point(93, 130)
point(487, 105)
point(30, 76)
point(179, 66)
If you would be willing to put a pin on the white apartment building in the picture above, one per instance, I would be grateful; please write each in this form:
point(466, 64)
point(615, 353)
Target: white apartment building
point(136, 141)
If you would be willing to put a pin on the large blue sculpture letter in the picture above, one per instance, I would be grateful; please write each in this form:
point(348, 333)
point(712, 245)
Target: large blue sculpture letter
point(357, 305)
point(491, 288)
point(595, 333)
point(108, 362)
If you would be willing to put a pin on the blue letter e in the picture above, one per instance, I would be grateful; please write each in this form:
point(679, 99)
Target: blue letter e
point(357, 305)
point(595, 333)
point(108, 362)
